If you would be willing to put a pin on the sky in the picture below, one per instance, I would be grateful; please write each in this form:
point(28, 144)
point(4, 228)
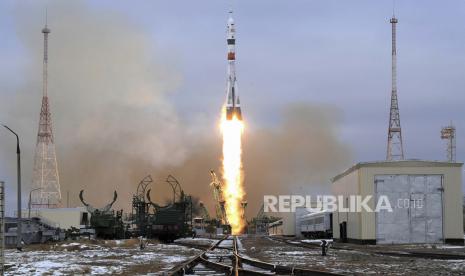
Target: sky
point(329, 53)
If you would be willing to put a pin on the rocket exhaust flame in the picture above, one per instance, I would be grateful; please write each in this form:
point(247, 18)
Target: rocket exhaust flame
point(232, 170)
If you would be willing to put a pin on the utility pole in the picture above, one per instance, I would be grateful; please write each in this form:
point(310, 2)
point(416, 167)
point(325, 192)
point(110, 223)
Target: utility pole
point(18, 159)
point(2, 227)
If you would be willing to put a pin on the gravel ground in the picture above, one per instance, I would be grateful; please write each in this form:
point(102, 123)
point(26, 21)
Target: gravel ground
point(97, 258)
point(347, 262)
point(123, 257)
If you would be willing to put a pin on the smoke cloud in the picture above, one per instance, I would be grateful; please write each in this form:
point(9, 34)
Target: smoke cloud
point(114, 122)
point(298, 155)
point(108, 93)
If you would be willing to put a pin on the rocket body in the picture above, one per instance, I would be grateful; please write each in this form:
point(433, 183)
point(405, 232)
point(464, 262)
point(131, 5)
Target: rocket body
point(233, 106)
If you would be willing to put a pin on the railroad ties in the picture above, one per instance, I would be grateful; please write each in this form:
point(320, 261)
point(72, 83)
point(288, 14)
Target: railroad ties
point(224, 258)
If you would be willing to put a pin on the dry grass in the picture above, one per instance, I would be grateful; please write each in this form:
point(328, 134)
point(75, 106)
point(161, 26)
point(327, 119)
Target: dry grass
point(142, 269)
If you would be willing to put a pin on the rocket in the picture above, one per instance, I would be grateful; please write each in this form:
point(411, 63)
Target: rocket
point(233, 105)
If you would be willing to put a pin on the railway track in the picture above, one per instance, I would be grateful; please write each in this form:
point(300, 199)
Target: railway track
point(224, 258)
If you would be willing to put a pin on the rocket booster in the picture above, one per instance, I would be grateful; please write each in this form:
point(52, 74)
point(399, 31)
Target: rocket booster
point(233, 106)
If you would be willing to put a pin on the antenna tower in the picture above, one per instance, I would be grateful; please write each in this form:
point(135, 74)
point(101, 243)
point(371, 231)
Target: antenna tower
point(395, 149)
point(45, 175)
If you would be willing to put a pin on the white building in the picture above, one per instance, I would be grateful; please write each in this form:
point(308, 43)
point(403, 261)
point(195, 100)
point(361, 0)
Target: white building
point(63, 218)
point(426, 197)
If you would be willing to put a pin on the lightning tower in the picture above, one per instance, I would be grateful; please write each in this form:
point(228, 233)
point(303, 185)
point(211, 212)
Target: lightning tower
point(45, 175)
point(448, 133)
point(395, 149)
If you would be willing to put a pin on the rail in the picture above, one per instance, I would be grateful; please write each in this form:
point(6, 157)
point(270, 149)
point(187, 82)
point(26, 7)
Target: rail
point(188, 266)
point(254, 267)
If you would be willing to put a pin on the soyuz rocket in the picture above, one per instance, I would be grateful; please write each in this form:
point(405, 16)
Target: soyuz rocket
point(233, 106)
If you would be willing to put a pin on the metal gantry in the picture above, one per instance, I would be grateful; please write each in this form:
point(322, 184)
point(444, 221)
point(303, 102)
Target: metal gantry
point(45, 174)
point(204, 212)
point(448, 133)
point(217, 187)
point(243, 207)
point(395, 149)
point(140, 207)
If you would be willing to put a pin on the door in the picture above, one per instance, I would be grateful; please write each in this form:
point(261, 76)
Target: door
point(392, 227)
point(433, 209)
point(417, 209)
point(417, 214)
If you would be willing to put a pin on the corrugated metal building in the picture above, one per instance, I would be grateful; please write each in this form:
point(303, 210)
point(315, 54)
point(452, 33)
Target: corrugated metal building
point(435, 187)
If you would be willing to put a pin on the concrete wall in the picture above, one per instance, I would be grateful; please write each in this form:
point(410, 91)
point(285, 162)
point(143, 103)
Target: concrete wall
point(347, 186)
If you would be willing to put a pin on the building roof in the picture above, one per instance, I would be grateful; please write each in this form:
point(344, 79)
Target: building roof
point(398, 164)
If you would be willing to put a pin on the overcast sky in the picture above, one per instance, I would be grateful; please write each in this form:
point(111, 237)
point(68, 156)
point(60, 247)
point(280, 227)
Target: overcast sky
point(332, 52)
point(329, 52)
